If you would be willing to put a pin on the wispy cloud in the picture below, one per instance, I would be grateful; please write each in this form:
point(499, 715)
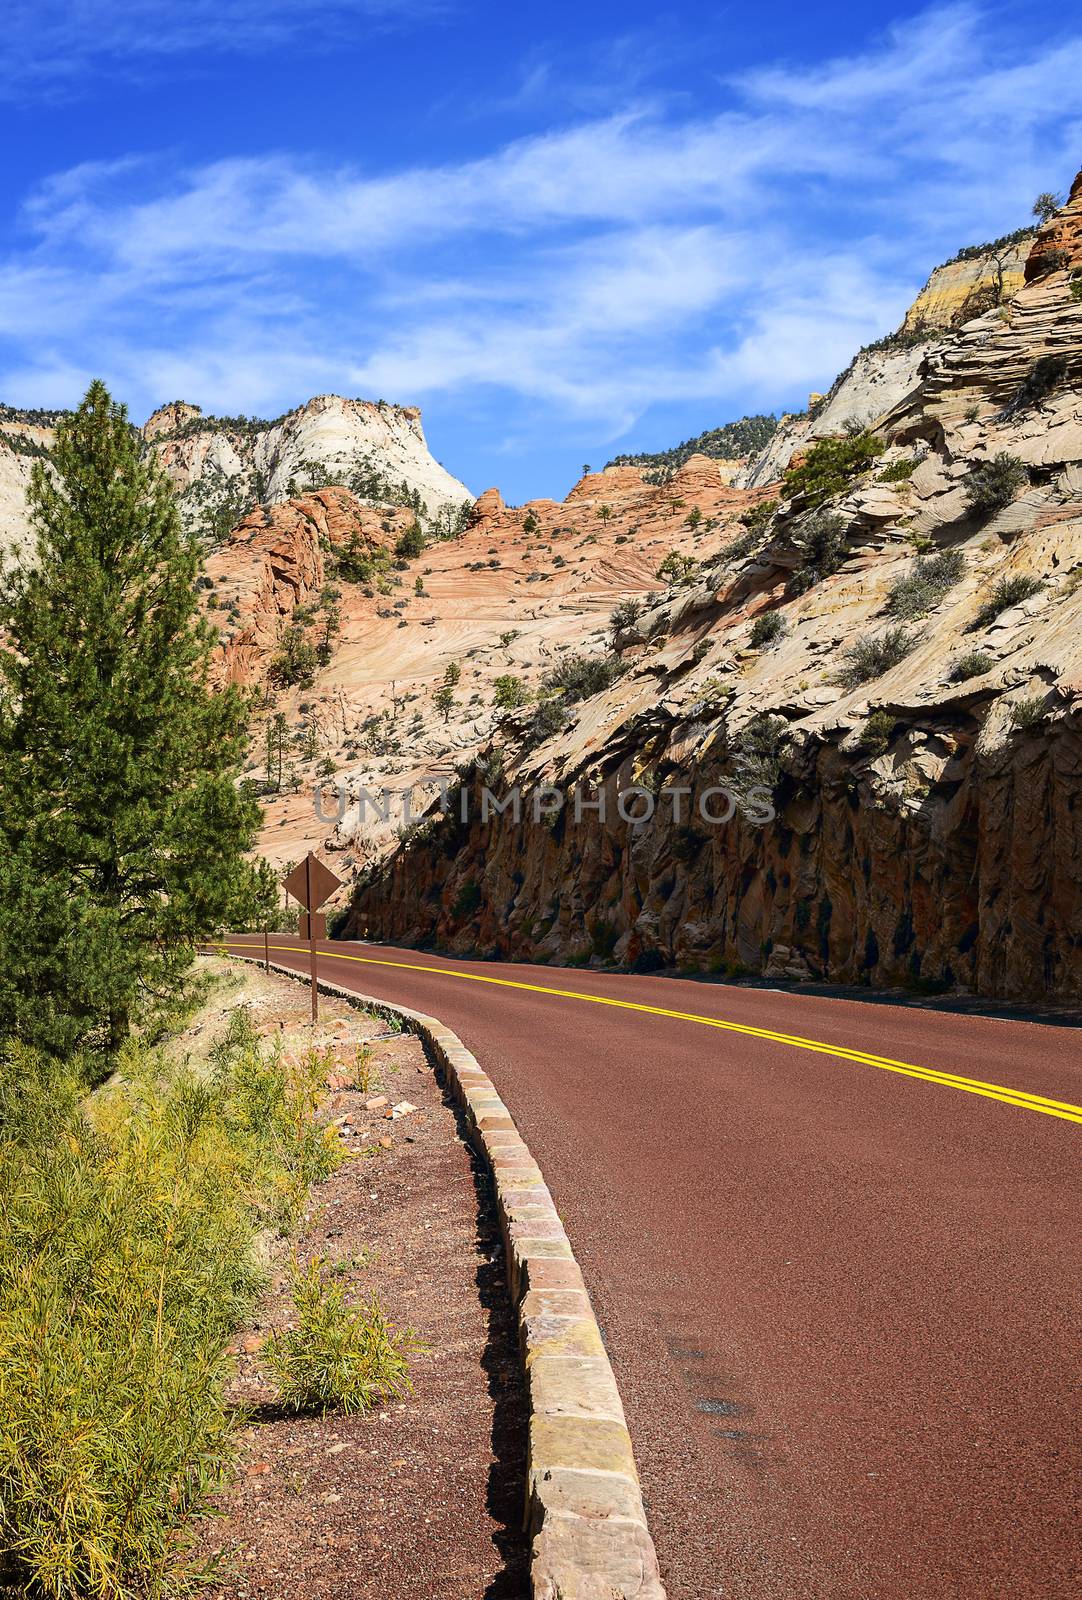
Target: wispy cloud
point(49, 45)
point(734, 255)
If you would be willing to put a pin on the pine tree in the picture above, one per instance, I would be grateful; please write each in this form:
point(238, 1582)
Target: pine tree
point(122, 828)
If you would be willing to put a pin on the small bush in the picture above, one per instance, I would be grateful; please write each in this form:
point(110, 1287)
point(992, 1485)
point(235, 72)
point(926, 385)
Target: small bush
point(1046, 374)
point(467, 899)
point(823, 548)
point(1006, 592)
point(897, 471)
point(625, 615)
point(755, 753)
point(338, 1357)
point(757, 518)
point(1026, 713)
point(509, 692)
point(677, 569)
point(994, 484)
point(296, 663)
point(410, 544)
point(579, 677)
point(926, 585)
point(870, 658)
point(831, 466)
point(767, 629)
point(974, 664)
point(126, 1263)
point(876, 733)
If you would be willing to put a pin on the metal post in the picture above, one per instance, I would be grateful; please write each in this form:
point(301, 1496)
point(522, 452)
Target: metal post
point(311, 935)
point(266, 949)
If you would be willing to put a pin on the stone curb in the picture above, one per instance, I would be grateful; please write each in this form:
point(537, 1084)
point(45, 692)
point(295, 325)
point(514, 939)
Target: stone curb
point(584, 1510)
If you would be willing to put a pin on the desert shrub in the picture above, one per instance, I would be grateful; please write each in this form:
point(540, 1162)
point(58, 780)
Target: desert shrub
point(755, 753)
point(876, 732)
point(974, 664)
point(1027, 712)
point(1046, 374)
point(579, 677)
point(823, 548)
point(126, 1262)
point(509, 692)
point(757, 517)
point(1006, 592)
point(767, 629)
point(994, 484)
point(677, 569)
point(742, 545)
point(357, 562)
point(899, 471)
point(625, 615)
point(830, 466)
point(467, 899)
point(926, 585)
point(871, 657)
point(549, 716)
point(410, 544)
point(296, 661)
point(338, 1356)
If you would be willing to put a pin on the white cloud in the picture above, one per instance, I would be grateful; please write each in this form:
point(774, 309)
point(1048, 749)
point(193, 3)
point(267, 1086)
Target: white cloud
point(730, 256)
point(49, 45)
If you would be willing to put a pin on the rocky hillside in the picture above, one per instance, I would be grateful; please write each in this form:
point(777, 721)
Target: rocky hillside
point(222, 467)
point(382, 663)
point(977, 279)
point(891, 656)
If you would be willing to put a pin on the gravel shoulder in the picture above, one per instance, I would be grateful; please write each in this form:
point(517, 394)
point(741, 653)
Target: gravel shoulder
point(419, 1500)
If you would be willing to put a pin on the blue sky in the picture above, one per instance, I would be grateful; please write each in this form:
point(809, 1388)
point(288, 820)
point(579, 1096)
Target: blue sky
point(564, 230)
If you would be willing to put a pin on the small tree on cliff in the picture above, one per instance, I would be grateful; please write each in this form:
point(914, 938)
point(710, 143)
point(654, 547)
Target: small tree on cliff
point(122, 828)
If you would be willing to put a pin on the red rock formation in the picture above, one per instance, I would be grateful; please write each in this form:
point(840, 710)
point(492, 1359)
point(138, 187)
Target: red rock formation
point(1059, 243)
point(273, 562)
point(486, 508)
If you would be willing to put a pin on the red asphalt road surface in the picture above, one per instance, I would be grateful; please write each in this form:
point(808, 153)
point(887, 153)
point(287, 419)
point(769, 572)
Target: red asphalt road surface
point(841, 1303)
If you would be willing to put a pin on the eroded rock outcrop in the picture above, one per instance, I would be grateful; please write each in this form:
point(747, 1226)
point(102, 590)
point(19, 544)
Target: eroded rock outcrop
point(913, 713)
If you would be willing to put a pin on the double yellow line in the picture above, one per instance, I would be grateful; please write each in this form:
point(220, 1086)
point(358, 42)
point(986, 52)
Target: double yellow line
point(947, 1080)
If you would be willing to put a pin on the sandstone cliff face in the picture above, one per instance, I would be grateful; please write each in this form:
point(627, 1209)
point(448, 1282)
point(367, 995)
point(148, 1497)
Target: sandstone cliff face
point(963, 289)
point(221, 467)
point(881, 376)
point(927, 826)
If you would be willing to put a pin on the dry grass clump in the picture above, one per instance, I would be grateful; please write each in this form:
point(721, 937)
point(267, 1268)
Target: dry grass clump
point(338, 1356)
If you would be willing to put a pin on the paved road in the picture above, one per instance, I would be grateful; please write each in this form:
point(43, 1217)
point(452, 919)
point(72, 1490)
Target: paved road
point(841, 1299)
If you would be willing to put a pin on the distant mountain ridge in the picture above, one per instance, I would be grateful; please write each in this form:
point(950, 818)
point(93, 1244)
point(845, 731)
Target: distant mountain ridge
point(746, 436)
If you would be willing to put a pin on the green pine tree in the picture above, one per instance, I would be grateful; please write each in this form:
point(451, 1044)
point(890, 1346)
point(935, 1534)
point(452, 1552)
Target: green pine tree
point(122, 827)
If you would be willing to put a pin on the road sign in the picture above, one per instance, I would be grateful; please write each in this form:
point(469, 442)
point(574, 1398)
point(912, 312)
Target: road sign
point(311, 883)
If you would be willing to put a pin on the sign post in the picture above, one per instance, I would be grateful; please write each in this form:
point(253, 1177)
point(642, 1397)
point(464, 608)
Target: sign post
point(311, 883)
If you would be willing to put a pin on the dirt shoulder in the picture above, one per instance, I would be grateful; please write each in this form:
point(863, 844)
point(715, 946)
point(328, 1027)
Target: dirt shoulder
point(419, 1500)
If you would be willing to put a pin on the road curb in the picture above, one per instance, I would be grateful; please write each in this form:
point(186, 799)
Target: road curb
point(584, 1510)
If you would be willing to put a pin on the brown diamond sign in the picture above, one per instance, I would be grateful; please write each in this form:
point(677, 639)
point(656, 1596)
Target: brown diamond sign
point(311, 883)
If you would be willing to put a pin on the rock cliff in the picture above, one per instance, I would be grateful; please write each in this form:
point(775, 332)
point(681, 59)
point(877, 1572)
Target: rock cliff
point(893, 660)
point(223, 466)
point(881, 375)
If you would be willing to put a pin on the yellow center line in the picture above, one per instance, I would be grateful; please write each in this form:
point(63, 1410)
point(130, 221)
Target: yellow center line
point(948, 1080)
